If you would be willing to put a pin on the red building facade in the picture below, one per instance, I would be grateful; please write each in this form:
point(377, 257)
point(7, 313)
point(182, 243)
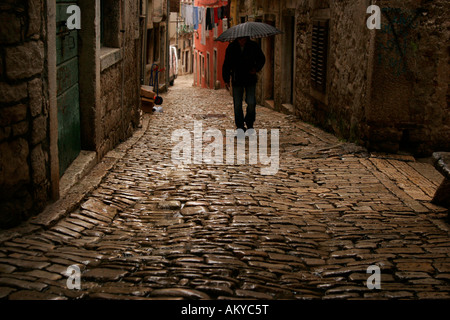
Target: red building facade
point(209, 55)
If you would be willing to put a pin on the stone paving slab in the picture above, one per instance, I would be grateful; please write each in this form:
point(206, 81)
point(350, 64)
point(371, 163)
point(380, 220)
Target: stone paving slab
point(141, 227)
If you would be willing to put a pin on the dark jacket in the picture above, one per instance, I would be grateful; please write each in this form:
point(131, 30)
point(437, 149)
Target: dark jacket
point(239, 64)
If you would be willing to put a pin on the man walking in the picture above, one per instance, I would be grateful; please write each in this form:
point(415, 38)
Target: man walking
point(243, 59)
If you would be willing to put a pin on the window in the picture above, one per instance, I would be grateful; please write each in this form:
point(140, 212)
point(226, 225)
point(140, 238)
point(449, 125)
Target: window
point(150, 52)
point(207, 70)
point(319, 56)
point(215, 67)
point(110, 23)
point(202, 67)
point(110, 26)
point(195, 67)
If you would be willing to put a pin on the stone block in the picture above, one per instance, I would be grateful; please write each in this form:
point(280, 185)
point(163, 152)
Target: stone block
point(34, 16)
point(5, 132)
point(12, 93)
point(13, 114)
point(10, 28)
point(14, 164)
point(38, 165)
point(39, 130)
point(24, 61)
point(35, 95)
point(20, 129)
point(171, 205)
point(17, 207)
point(40, 197)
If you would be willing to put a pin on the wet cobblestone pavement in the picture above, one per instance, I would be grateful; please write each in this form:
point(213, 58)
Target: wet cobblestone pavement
point(153, 230)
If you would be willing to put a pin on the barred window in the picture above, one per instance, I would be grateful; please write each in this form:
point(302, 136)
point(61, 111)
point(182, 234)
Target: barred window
point(319, 60)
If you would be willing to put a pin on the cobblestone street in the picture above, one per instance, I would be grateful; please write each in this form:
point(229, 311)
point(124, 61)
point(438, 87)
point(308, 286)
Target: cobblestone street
point(148, 229)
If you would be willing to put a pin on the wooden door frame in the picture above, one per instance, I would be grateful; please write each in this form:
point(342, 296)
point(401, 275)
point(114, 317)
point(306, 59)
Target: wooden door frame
point(52, 92)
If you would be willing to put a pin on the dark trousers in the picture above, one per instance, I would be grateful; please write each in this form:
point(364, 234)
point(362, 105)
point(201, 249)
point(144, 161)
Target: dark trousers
point(250, 99)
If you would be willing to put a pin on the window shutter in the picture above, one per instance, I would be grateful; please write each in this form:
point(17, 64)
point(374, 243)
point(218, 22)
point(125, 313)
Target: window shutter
point(319, 55)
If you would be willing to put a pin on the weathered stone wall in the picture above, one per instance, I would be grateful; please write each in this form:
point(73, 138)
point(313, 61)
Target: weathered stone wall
point(28, 157)
point(409, 108)
point(349, 57)
point(304, 105)
point(120, 84)
point(387, 91)
point(341, 109)
point(24, 110)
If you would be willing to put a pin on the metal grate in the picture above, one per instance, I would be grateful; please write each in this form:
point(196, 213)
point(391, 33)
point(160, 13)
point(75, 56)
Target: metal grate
point(319, 55)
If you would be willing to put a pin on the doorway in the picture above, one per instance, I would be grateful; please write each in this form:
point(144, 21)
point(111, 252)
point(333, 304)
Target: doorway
point(215, 68)
point(68, 97)
point(269, 68)
point(288, 63)
point(208, 71)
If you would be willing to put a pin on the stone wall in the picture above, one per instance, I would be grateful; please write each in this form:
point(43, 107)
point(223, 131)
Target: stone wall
point(384, 90)
point(341, 109)
point(409, 108)
point(349, 72)
point(24, 111)
point(120, 84)
point(109, 103)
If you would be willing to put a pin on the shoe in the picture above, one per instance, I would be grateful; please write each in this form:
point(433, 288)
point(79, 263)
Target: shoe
point(251, 131)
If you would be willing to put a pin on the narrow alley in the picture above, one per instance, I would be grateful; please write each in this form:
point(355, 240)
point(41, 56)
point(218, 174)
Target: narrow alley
point(141, 227)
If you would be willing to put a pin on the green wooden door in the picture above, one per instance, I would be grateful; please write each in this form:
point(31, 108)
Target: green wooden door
point(69, 138)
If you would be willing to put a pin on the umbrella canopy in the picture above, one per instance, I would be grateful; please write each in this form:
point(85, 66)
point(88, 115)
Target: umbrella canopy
point(250, 29)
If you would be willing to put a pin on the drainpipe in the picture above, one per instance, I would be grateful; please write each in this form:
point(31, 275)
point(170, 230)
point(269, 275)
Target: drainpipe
point(144, 53)
point(122, 31)
point(167, 45)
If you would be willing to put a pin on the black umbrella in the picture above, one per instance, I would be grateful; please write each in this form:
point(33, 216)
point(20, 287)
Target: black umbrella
point(250, 29)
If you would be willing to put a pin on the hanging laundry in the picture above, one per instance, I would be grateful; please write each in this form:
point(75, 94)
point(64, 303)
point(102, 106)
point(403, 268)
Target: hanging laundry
point(201, 15)
point(203, 32)
point(195, 18)
point(183, 11)
point(209, 18)
point(216, 15)
point(226, 11)
point(189, 15)
point(212, 21)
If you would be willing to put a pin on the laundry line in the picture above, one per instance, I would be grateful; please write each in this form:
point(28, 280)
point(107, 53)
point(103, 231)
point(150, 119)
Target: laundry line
point(195, 15)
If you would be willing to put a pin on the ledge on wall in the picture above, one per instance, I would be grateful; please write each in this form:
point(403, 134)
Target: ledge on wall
point(287, 108)
point(77, 170)
point(109, 57)
point(269, 104)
